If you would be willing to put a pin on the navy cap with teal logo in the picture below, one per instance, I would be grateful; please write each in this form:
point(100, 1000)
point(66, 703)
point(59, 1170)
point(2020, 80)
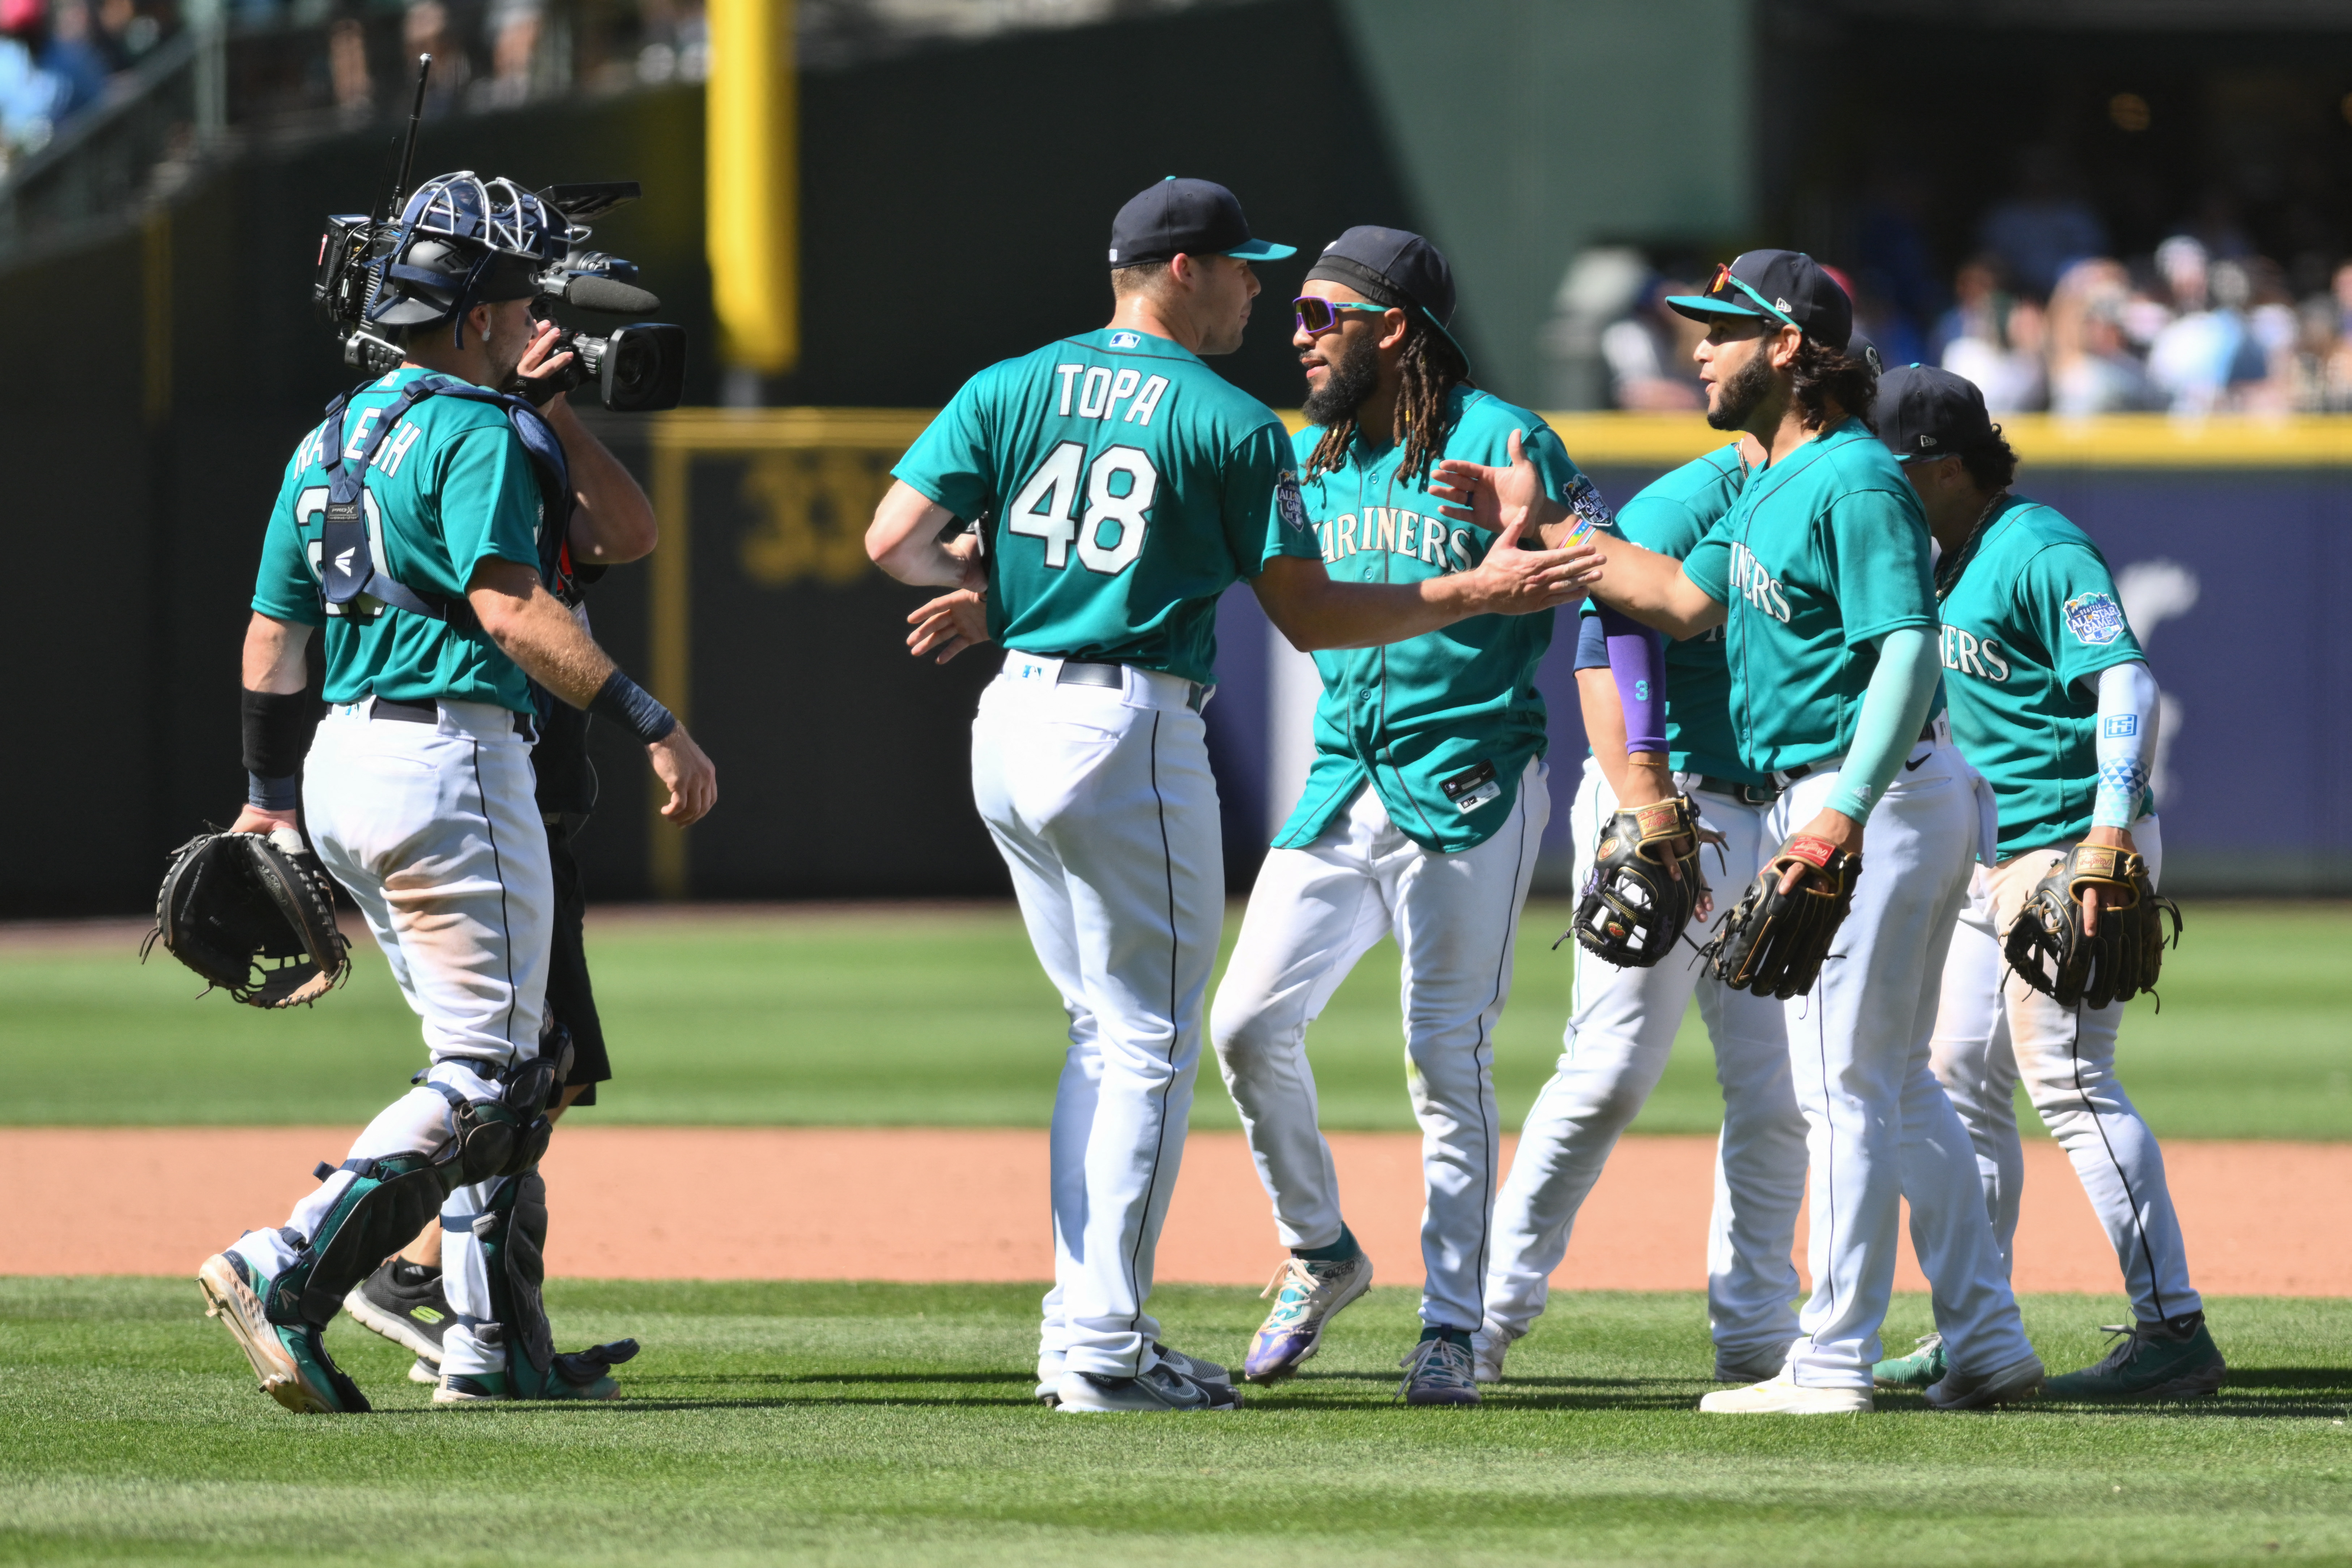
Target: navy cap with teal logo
point(1924, 412)
point(1190, 218)
point(1784, 287)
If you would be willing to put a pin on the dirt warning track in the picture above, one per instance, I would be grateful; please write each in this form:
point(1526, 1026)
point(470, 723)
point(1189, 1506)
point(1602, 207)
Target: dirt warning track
point(916, 1204)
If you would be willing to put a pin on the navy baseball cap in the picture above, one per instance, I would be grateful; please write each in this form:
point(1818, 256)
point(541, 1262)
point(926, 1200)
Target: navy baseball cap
point(1193, 217)
point(1395, 267)
point(1786, 286)
point(1925, 413)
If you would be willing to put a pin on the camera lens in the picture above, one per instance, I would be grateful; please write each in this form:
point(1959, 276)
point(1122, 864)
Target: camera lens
point(636, 364)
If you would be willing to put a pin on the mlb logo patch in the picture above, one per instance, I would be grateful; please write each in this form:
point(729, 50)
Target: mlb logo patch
point(2096, 619)
point(1127, 340)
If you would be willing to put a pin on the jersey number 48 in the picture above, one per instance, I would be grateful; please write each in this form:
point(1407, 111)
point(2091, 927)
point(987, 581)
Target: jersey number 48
point(1118, 488)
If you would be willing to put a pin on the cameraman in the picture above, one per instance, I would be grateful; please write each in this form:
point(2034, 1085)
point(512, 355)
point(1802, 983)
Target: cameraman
point(410, 526)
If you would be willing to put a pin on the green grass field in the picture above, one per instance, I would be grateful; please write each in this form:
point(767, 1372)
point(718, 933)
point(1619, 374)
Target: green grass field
point(942, 1018)
point(892, 1424)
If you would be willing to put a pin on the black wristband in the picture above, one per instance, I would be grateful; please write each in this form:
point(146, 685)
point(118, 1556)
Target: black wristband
point(278, 728)
point(633, 708)
point(282, 793)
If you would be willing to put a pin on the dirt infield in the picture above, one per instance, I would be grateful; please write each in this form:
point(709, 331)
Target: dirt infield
point(916, 1204)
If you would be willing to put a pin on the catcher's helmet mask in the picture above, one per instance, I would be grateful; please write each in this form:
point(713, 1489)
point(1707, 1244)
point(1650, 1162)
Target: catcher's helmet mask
point(465, 241)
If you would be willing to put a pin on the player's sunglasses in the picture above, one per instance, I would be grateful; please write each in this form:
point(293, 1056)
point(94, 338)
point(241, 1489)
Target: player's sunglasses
point(1316, 315)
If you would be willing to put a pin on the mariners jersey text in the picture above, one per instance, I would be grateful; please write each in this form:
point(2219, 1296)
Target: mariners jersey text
point(1399, 531)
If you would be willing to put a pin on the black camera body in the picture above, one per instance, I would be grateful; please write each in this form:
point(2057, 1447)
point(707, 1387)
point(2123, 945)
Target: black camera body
point(638, 368)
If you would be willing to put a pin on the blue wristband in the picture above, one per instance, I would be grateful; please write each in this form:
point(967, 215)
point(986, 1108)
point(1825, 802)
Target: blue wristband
point(273, 794)
point(633, 708)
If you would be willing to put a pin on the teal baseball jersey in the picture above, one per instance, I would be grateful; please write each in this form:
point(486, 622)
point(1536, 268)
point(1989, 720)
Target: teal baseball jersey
point(2029, 621)
point(1671, 516)
point(1126, 485)
point(452, 486)
point(1440, 725)
point(1824, 552)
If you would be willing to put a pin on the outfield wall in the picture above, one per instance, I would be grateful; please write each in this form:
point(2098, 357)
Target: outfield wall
point(843, 759)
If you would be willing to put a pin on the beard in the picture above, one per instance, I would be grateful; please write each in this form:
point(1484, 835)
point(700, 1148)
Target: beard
point(1346, 382)
point(1737, 398)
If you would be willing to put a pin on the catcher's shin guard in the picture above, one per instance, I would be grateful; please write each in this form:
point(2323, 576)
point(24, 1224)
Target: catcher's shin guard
point(512, 1231)
point(388, 1201)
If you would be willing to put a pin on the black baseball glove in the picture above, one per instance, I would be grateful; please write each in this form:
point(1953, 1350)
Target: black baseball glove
point(2051, 952)
point(255, 915)
point(1634, 907)
point(1773, 943)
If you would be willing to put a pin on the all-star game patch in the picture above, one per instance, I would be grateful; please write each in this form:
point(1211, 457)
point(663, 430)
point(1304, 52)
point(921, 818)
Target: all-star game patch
point(2096, 619)
point(1289, 504)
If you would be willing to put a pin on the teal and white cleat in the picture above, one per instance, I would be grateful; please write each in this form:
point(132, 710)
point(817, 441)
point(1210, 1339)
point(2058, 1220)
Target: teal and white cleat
point(1439, 1371)
point(1307, 1295)
point(292, 1363)
point(1922, 1368)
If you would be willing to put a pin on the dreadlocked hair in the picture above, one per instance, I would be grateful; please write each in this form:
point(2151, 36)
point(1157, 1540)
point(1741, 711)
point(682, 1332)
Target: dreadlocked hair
point(1430, 368)
point(1822, 376)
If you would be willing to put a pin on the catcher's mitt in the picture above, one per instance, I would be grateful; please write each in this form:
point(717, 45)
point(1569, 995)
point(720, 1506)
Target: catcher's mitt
point(2049, 951)
point(1633, 908)
point(255, 915)
point(1773, 943)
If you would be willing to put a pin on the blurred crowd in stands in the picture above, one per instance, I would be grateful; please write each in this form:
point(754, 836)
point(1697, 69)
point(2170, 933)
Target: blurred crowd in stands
point(346, 58)
point(58, 57)
point(2043, 315)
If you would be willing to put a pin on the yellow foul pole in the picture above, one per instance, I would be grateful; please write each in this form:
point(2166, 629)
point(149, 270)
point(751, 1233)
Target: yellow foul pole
point(753, 198)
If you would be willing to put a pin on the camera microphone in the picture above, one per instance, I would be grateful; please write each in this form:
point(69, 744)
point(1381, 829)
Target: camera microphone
point(591, 292)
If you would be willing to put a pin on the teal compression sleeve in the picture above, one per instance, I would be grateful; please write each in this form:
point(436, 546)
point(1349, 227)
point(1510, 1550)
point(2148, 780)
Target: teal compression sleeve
point(1894, 710)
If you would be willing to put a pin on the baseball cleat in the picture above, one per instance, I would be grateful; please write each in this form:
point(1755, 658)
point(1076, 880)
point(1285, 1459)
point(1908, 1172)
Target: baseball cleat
point(1755, 1367)
point(1158, 1389)
point(1487, 1347)
point(1783, 1395)
point(494, 1388)
point(424, 1371)
point(1192, 1366)
point(291, 1362)
point(1308, 1295)
point(2153, 1361)
point(1439, 1371)
point(1925, 1365)
point(1982, 1391)
point(404, 1303)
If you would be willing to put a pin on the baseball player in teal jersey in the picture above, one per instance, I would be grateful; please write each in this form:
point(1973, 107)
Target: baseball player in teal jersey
point(410, 527)
point(1420, 816)
point(1121, 486)
point(1621, 1027)
point(2053, 700)
point(1820, 574)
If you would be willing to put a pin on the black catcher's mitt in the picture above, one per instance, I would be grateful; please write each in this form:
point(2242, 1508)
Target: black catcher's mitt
point(255, 915)
point(2049, 951)
point(1773, 943)
point(1633, 908)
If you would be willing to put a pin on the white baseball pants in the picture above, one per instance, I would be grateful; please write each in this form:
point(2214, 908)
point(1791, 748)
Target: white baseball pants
point(1618, 1036)
point(435, 831)
point(1879, 1125)
point(1312, 914)
point(1989, 1034)
point(1101, 801)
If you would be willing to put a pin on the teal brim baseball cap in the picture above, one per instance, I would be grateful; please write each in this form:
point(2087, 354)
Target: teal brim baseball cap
point(1191, 217)
point(1783, 286)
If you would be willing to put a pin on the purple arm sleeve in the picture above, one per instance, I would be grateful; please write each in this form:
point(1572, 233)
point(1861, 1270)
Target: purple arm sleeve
point(1637, 659)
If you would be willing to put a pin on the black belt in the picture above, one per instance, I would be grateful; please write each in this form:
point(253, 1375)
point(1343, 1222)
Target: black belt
point(430, 713)
point(1076, 673)
point(1791, 775)
point(1740, 790)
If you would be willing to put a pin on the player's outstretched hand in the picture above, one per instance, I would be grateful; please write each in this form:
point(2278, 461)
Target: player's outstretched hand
point(693, 783)
point(1491, 498)
point(1516, 580)
point(948, 625)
